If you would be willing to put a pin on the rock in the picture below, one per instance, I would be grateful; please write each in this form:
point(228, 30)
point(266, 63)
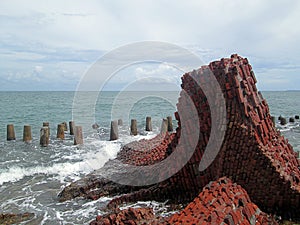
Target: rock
point(283, 121)
point(297, 117)
point(7, 219)
point(292, 120)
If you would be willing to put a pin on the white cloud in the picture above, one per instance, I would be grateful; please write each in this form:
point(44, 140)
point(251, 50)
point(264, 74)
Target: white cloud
point(40, 31)
point(38, 69)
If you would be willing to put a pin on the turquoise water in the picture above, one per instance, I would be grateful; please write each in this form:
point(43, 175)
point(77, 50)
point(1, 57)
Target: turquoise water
point(32, 176)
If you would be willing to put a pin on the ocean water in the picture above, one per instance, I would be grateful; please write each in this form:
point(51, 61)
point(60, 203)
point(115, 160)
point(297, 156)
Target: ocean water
point(32, 176)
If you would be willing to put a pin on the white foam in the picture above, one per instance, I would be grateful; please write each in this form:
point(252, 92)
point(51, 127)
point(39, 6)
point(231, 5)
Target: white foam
point(91, 160)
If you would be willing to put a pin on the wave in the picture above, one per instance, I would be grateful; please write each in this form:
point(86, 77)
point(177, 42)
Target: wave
point(71, 166)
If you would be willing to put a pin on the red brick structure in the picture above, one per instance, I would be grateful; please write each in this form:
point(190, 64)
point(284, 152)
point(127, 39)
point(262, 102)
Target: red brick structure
point(253, 153)
point(220, 202)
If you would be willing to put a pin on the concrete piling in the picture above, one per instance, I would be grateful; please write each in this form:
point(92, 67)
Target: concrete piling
point(11, 132)
point(297, 117)
point(120, 122)
point(78, 137)
point(170, 123)
point(65, 126)
point(114, 133)
point(27, 137)
point(95, 126)
point(148, 123)
point(46, 124)
point(292, 120)
point(60, 131)
point(164, 126)
point(44, 136)
point(71, 126)
point(133, 127)
point(283, 121)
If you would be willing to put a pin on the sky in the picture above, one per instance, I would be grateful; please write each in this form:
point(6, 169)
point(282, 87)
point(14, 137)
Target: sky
point(51, 45)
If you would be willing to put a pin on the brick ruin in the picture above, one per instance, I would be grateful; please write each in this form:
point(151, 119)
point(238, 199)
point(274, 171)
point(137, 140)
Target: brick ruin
point(220, 202)
point(253, 153)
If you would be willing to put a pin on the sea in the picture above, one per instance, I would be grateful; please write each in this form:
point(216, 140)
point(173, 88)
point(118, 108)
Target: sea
point(31, 176)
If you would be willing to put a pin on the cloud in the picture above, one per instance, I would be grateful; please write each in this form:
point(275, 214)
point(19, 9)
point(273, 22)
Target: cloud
point(38, 69)
point(78, 32)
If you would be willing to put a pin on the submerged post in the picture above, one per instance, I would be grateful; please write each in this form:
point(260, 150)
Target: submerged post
point(283, 121)
point(27, 137)
point(170, 123)
point(44, 136)
point(292, 120)
point(133, 127)
point(164, 126)
point(11, 132)
point(71, 126)
point(114, 133)
point(78, 137)
point(65, 126)
point(60, 131)
point(297, 117)
point(148, 123)
point(46, 124)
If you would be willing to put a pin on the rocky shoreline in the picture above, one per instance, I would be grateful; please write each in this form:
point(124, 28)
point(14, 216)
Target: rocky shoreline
point(254, 162)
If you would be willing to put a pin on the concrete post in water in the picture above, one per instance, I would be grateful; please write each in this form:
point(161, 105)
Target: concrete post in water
point(114, 133)
point(78, 137)
point(273, 120)
point(170, 123)
point(148, 123)
point(65, 126)
point(27, 137)
point(71, 126)
point(120, 122)
point(60, 131)
point(46, 124)
point(297, 117)
point(95, 126)
point(11, 132)
point(44, 136)
point(133, 127)
point(292, 120)
point(164, 126)
point(283, 121)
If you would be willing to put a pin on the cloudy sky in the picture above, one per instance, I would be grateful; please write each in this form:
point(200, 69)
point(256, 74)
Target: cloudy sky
point(50, 45)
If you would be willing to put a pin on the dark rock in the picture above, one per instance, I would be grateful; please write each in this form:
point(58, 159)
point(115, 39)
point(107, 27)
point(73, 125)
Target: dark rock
point(283, 121)
point(15, 218)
